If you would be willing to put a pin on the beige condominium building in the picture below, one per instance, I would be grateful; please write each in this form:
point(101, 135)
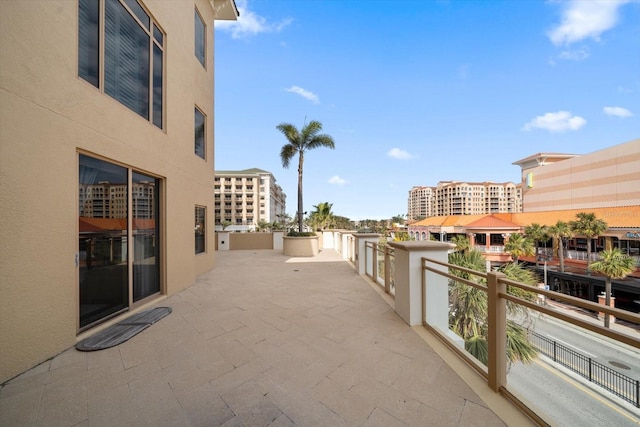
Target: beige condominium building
point(246, 198)
point(604, 178)
point(106, 164)
point(464, 198)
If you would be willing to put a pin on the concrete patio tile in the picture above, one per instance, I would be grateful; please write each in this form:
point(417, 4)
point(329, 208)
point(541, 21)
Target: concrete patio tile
point(69, 357)
point(394, 403)
point(20, 408)
point(63, 403)
point(282, 421)
point(298, 404)
point(204, 407)
point(239, 376)
point(251, 406)
point(155, 403)
point(106, 380)
point(109, 358)
point(109, 407)
point(185, 376)
point(379, 418)
point(352, 407)
point(479, 415)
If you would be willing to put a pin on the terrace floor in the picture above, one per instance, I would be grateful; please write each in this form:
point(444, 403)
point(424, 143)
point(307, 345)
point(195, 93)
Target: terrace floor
point(263, 340)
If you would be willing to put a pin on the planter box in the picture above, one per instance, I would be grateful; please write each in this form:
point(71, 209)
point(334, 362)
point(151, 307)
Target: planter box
point(300, 246)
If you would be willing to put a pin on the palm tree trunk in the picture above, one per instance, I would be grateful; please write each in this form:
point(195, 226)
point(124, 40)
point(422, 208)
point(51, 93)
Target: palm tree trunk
point(561, 254)
point(607, 300)
point(300, 213)
point(588, 252)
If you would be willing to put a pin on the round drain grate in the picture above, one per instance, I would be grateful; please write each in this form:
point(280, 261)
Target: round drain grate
point(619, 365)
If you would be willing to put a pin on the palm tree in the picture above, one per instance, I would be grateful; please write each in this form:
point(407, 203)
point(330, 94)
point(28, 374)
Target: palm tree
point(462, 243)
point(537, 233)
point(322, 217)
point(308, 138)
point(614, 265)
point(517, 246)
point(589, 226)
point(560, 231)
point(469, 308)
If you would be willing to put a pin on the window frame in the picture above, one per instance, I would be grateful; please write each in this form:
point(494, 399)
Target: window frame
point(156, 37)
point(203, 216)
point(204, 133)
point(198, 17)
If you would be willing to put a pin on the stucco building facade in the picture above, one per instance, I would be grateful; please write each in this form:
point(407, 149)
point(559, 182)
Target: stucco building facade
point(106, 164)
point(604, 178)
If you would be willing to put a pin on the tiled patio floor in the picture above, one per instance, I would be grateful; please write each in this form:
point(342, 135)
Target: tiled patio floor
point(261, 340)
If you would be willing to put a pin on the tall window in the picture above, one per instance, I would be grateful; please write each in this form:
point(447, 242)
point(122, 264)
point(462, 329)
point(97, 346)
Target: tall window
point(130, 66)
point(200, 229)
point(200, 38)
point(199, 133)
point(118, 223)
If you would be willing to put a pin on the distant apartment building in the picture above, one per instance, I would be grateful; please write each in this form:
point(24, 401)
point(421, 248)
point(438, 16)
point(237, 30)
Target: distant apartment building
point(245, 198)
point(106, 164)
point(604, 178)
point(464, 198)
point(420, 203)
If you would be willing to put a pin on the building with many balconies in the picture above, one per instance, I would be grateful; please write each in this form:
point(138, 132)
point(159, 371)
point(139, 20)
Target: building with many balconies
point(244, 199)
point(464, 198)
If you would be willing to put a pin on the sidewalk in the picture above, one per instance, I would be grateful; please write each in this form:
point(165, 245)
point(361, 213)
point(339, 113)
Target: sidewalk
point(261, 340)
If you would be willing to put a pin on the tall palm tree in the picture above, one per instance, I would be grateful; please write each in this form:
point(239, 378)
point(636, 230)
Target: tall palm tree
point(469, 308)
point(537, 233)
point(300, 141)
point(589, 226)
point(560, 231)
point(614, 265)
point(517, 246)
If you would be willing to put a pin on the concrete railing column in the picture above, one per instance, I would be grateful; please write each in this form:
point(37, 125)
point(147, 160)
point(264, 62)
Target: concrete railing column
point(223, 240)
point(277, 239)
point(345, 244)
point(408, 283)
point(360, 257)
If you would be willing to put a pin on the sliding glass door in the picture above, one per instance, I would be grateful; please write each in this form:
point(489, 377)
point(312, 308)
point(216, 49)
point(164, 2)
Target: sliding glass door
point(114, 203)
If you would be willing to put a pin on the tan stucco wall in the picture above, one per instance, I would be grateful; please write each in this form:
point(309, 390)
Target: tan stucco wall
point(605, 178)
point(238, 241)
point(47, 116)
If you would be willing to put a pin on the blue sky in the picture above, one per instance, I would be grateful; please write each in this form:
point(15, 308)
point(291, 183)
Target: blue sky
point(415, 92)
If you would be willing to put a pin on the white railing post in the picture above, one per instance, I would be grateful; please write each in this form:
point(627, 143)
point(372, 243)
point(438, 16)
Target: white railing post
point(408, 283)
point(360, 258)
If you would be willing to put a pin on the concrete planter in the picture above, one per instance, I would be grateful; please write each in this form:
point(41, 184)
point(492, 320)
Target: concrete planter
point(300, 246)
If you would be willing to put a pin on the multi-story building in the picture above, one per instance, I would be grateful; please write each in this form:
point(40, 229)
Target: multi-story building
point(604, 178)
point(420, 203)
point(464, 198)
point(243, 199)
point(106, 164)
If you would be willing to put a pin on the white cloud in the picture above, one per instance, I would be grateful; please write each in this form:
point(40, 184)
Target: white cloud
point(304, 93)
point(582, 19)
point(559, 121)
point(575, 55)
point(397, 153)
point(249, 23)
point(337, 180)
point(617, 111)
